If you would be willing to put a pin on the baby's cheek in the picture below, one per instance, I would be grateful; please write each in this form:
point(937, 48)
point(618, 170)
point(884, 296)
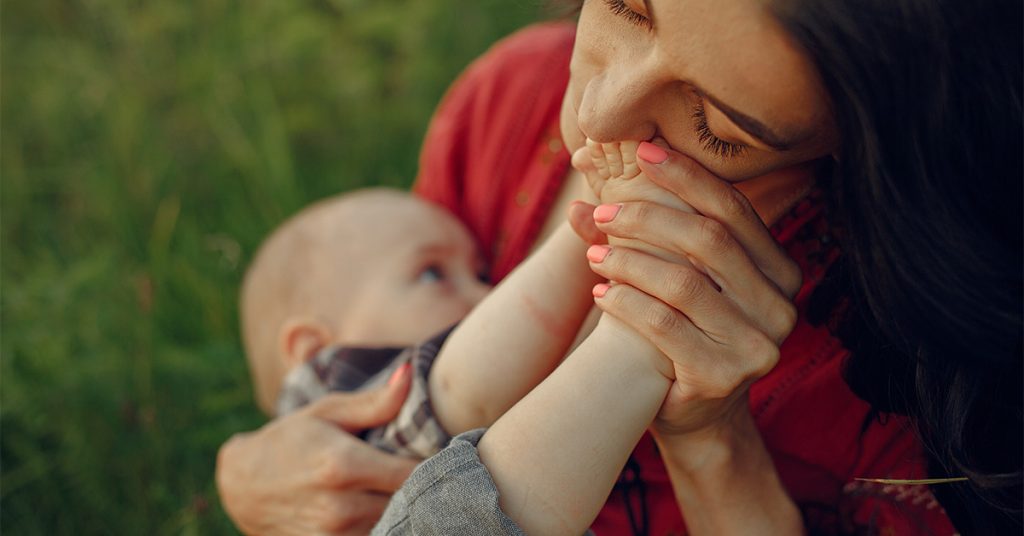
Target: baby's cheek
point(436, 315)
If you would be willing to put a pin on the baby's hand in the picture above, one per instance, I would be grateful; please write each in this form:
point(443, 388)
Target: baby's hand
point(612, 173)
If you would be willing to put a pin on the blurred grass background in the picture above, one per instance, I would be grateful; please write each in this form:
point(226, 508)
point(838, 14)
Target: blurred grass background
point(146, 147)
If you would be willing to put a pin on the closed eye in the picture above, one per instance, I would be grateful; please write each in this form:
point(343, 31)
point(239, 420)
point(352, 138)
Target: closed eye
point(620, 8)
point(712, 143)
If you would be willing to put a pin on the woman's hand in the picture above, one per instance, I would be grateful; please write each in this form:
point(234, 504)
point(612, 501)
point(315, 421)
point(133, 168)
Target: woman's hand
point(720, 321)
point(306, 473)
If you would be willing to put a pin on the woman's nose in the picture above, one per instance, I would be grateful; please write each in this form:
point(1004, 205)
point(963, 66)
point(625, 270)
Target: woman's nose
point(617, 105)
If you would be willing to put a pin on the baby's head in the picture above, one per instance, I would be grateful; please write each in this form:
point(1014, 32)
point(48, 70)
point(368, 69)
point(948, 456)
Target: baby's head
point(375, 267)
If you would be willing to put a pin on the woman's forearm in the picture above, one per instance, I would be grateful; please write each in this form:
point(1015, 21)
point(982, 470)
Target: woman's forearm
point(725, 481)
point(555, 456)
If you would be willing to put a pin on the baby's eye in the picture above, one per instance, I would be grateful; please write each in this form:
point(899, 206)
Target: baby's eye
point(431, 274)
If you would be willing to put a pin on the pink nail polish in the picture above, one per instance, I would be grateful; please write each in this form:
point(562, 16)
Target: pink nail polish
point(600, 290)
point(651, 153)
point(606, 213)
point(597, 253)
point(399, 374)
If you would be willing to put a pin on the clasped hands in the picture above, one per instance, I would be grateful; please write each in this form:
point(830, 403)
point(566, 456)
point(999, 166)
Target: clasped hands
point(693, 269)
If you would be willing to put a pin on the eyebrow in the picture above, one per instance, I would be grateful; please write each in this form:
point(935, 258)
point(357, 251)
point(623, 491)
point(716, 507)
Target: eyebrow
point(751, 125)
point(435, 248)
point(742, 120)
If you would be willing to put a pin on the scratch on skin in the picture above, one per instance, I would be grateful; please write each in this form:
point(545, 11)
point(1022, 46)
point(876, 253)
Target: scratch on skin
point(554, 325)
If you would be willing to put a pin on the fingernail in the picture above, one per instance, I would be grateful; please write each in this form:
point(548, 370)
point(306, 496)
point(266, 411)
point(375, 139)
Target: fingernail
point(651, 153)
point(399, 374)
point(597, 253)
point(600, 290)
point(606, 213)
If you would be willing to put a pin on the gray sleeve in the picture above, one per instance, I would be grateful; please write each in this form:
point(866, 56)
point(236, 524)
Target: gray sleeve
point(449, 494)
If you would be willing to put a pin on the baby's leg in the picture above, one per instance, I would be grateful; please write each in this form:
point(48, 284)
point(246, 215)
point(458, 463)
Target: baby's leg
point(613, 174)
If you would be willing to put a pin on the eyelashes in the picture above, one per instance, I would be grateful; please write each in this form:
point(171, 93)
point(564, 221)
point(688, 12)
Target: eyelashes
point(711, 143)
point(620, 8)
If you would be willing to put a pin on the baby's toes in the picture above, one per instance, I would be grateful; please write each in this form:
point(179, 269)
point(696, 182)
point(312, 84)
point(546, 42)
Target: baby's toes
point(597, 156)
point(630, 169)
point(614, 157)
point(582, 161)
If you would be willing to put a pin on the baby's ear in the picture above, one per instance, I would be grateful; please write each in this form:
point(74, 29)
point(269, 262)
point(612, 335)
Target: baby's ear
point(300, 339)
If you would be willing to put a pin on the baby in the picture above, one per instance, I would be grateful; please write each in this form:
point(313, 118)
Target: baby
point(372, 268)
point(345, 293)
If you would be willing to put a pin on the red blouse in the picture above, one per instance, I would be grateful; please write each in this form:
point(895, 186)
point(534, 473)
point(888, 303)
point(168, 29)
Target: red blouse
point(493, 156)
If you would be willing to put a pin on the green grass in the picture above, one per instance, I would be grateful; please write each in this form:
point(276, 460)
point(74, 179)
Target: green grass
point(146, 148)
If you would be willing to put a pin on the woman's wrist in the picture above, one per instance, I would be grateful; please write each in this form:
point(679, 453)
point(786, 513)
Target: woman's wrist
point(711, 449)
point(725, 480)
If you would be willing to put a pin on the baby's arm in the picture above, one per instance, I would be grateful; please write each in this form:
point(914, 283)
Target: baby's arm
point(556, 455)
point(515, 337)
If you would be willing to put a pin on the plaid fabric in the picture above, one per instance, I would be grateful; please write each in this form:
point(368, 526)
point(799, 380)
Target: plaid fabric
point(415, 431)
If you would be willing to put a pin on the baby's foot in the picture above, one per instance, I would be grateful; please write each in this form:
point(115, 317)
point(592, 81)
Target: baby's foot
point(613, 174)
point(602, 163)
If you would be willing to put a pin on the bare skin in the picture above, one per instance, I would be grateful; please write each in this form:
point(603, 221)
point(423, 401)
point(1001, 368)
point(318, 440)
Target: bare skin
point(555, 468)
point(338, 485)
point(635, 81)
point(427, 279)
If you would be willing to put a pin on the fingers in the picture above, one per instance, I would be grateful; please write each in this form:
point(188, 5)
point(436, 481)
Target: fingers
point(340, 513)
point(354, 464)
point(582, 222)
point(664, 326)
point(301, 474)
point(680, 287)
point(354, 412)
point(712, 250)
point(692, 235)
point(358, 513)
point(378, 471)
point(722, 202)
point(704, 369)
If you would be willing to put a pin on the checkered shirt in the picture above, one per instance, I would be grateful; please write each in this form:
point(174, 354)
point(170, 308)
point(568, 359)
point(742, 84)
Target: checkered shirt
point(415, 431)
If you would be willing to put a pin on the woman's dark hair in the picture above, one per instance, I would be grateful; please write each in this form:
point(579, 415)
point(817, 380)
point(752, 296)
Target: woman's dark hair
point(927, 195)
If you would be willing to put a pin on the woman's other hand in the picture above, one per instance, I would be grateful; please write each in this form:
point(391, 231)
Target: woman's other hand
point(720, 321)
point(305, 473)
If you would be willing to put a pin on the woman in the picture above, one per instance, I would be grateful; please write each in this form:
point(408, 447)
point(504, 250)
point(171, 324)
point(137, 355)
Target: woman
point(914, 138)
